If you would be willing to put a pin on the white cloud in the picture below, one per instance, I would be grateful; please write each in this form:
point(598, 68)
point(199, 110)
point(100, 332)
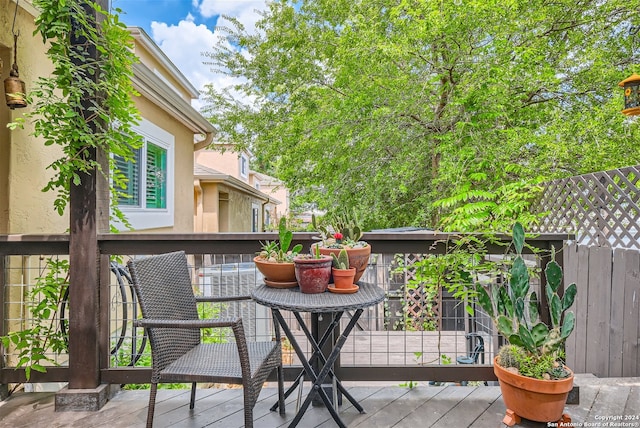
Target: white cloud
point(185, 42)
point(246, 11)
point(237, 8)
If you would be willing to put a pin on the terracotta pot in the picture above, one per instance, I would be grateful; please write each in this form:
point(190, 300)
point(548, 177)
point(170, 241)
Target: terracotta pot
point(534, 399)
point(276, 272)
point(358, 258)
point(313, 274)
point(343, 278)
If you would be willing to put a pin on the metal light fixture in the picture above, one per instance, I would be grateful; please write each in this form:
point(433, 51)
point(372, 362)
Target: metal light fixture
point(14, 88)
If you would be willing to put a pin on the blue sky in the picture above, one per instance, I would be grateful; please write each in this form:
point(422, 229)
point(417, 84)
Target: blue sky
point(183, 29)
point(140, 13)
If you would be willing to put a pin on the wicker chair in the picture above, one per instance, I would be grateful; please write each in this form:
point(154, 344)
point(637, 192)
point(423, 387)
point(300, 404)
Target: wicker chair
point(163, 286)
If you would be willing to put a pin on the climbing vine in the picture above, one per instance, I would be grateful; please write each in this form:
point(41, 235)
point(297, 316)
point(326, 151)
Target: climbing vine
point(86, 103)
point(45, 336)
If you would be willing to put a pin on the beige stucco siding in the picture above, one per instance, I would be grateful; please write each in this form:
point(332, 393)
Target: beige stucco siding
point(227, 162)
point(225, 209)
point(24, 208)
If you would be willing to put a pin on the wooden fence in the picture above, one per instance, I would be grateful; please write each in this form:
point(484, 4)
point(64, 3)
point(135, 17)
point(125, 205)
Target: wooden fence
point(602, 210)
point(606, 340)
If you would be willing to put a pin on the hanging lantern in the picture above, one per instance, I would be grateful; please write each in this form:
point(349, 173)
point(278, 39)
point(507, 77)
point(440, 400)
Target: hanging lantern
point(14, 88)
point(631, 86)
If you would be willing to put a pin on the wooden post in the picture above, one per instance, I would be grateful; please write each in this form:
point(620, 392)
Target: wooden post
point(89, 215)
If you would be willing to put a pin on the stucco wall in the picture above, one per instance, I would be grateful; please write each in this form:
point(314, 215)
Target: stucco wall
point(227, 162)
point(231, 213)
point(24, 207)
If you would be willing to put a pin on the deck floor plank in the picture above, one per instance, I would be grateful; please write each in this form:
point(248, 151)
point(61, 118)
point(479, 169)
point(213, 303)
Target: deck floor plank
point(431, 411)
point(392, 407)
point(465, 412)
point(386, 406)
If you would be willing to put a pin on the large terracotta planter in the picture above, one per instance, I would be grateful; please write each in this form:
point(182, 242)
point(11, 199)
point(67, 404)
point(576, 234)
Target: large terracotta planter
point(534, 399)
point(276, 272)
point(358, 258)
point(313, 274)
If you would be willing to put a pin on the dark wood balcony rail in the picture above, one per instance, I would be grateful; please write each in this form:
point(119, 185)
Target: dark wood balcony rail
point(420, 242)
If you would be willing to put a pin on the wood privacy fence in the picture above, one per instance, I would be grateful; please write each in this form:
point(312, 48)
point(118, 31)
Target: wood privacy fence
point(606, 339)
point(601, 209)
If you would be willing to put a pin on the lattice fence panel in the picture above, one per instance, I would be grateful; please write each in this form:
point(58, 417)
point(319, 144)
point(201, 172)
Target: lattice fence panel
point(599, 208)
point(420, 309)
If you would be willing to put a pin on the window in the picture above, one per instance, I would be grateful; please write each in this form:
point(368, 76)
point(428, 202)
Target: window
point(244, 166)
point(147, 201)
point(255, 216)
point(156, 184)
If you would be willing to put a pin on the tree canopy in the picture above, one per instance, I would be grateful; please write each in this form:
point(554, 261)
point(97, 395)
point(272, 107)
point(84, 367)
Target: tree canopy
point(387, 106)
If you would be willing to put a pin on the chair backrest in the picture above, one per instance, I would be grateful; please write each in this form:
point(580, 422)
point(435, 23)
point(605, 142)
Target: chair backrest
point(163, 286)
point(478, 349)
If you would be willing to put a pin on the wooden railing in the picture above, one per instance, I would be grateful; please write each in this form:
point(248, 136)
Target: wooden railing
point(218, 245)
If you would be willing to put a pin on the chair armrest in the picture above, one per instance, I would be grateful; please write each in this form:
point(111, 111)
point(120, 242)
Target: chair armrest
point(202, 323)
point(202, 299)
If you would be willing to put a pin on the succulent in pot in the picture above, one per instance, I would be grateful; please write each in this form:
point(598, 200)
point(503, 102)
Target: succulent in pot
point(341, 231)
point(313, 271)
point(343, 275)
point(275, 260)
point(535, 350)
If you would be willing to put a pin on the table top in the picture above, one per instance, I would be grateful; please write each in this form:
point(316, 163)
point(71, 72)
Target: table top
point(291, 299)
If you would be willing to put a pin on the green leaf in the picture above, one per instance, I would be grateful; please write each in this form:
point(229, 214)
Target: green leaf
point(518, 237)
point(519, 308)
point(505, 302)
point(515, 339)
point(539, 333)
point(555, 310)
point(505, 326)
point(484, 300)
point(568, 324)
point(553, 272)
point(534, 314)
point(519, 280)
point(527, 339)
point(569, 296)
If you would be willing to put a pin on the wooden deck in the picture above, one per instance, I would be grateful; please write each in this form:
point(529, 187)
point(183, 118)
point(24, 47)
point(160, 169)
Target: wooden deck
point(603, 402)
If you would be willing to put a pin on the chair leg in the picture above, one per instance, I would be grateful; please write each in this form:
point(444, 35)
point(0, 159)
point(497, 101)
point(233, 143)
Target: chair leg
point(280, 373)
point(193, 396)
point(152, 404)
point(248, 413)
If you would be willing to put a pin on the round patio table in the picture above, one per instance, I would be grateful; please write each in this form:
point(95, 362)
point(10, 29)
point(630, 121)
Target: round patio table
point(291, 299)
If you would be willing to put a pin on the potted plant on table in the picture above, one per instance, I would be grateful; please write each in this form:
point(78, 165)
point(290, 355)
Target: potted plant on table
point(275, 261)
point(344, 233)
point(343, 275)
point(533, 379)
point(313, 271)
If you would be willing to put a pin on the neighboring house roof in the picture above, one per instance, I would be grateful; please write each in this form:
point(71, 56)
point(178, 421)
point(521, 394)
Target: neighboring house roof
point(156, 88)
point(210, 175)
point(266, 180)
point(144, 40)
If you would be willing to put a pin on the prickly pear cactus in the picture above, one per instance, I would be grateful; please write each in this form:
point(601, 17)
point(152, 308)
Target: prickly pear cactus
point(514, 307)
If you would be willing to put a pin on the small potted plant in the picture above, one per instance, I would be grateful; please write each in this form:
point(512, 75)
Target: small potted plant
point(343, 232)
point(533, 378)
point(275, 260)
point(343, 275)
point(313, 271)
